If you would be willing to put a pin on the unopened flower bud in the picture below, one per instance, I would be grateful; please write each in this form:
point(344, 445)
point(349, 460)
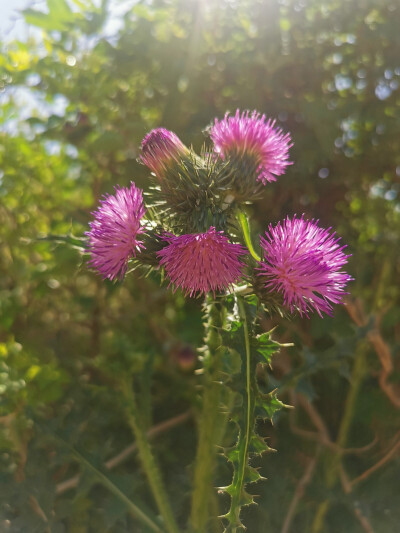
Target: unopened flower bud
point(160, 148)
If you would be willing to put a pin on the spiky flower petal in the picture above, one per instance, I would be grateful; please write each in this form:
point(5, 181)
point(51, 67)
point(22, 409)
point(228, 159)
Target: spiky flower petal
point(201, 262)
point(304, 262)
point(114, 231)
point(251, 134)
point(159, 148)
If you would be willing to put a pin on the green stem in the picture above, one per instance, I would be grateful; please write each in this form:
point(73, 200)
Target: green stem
point(243, 317)
point(212, 422)
point(248, 411)
point(244, 224)
point(148, 461)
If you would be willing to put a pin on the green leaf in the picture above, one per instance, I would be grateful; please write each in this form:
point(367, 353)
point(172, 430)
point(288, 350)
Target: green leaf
point(244, 223)
point(266, 347)
point(40, 19)
point(58, 17)
point(267, 405)
point(60, 9)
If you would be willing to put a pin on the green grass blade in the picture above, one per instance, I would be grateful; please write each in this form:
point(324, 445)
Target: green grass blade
point(106, 482)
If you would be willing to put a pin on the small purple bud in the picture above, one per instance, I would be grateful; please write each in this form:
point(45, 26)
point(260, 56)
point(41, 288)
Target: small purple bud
point(160, 147)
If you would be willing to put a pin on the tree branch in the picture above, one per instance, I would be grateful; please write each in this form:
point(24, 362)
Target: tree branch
point(299, 492)
point(386, 458)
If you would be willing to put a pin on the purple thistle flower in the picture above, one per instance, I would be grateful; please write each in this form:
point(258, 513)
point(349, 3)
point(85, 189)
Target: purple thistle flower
point(201, 262)
point(251, 134)
point(114, 230)
point(303, 262)
point(159, 148)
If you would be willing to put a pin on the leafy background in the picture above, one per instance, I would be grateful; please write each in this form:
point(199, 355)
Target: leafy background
point(77, 96)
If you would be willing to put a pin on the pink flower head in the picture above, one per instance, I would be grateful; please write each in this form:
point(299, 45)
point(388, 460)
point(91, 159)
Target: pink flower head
point(114, 230)
point(251, 134)
point(303, 262)
point(159, 148)
point(201, 262)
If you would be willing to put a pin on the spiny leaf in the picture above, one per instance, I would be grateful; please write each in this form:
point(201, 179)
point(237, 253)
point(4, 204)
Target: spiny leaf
point(267, 405)
point(258, 446)
point(266, 347)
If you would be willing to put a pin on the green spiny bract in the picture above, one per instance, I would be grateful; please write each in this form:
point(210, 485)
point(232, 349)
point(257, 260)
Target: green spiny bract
point(197, 192)
point(238, 177)
point(272, 302)
point(152, 243)
point(188, 198)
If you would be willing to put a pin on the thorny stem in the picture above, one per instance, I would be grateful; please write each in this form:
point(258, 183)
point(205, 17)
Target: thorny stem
point(148, 461)
point(248, 408)
point(212, 422)
point(244, 224)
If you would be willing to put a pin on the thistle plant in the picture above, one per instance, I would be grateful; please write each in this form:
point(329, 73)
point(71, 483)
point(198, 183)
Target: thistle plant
point(195, 230)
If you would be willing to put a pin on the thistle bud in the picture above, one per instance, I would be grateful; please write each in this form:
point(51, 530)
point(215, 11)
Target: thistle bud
point(160, 148)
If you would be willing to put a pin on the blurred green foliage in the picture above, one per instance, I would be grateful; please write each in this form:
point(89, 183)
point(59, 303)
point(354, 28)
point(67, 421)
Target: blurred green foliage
point(75, 103)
